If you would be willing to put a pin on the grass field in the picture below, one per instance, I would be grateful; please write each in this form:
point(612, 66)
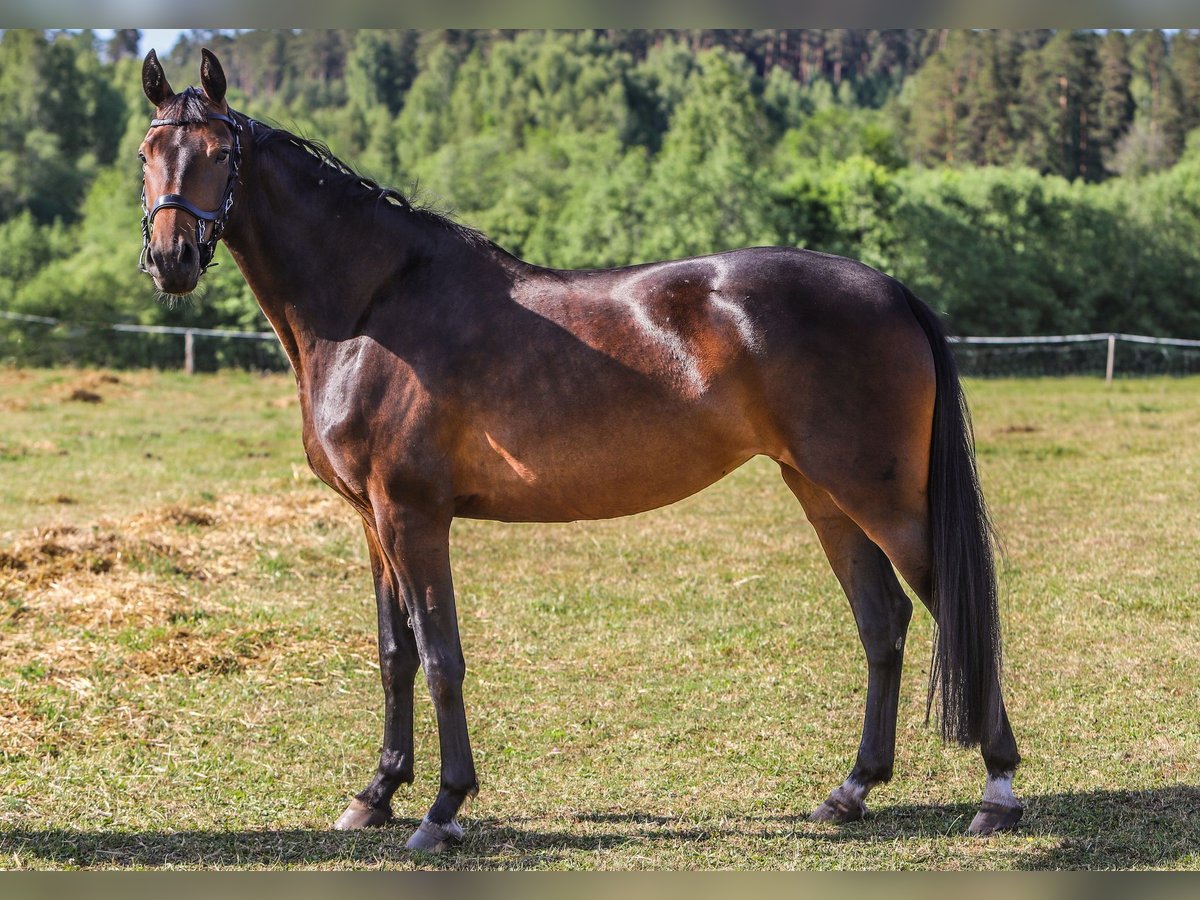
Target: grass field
point(187, 672)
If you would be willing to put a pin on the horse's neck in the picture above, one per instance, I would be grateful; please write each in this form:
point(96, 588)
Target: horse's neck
point(313, 258)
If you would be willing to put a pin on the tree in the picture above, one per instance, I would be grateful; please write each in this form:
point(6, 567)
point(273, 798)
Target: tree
point(380, 68)
point(424, 122)
point(707, 190)
point(123, 44)
point(60, 117)
point(1059, 108)
point(1114, 112)
point(1185, 69)
point(1156, 94)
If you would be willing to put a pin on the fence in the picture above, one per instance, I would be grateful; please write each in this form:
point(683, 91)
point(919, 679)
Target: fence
point(159, 346)
point(1077, 354)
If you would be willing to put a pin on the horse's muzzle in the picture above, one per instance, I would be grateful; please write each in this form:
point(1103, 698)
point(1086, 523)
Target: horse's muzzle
point(175, 269)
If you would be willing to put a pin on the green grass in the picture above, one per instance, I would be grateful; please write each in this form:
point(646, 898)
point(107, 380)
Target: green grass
point(187, 672)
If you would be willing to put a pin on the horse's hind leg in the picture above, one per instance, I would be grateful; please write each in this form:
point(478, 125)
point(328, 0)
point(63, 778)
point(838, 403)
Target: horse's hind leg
point(882, 612)
point(398, 664)
point(900, 529)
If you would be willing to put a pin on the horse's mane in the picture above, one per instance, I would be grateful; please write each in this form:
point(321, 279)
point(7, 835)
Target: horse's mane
point(359, 187)
point(190, 107)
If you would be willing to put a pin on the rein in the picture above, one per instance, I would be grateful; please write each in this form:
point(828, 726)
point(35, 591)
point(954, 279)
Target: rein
point(218, 217)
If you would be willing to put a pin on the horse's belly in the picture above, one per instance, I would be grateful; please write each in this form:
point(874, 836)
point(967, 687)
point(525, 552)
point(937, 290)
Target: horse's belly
point(561, 484)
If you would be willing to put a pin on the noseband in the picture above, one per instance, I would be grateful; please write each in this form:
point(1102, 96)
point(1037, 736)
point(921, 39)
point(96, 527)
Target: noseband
point(218, 217)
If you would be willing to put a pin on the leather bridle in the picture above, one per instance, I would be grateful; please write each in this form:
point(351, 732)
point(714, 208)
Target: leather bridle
point(218, 217)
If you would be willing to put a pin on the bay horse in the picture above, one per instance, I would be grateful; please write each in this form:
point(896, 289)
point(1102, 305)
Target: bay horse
point(440, 376)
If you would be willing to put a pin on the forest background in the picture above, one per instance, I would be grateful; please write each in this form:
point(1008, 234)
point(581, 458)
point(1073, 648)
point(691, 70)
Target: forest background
point(1023, 182)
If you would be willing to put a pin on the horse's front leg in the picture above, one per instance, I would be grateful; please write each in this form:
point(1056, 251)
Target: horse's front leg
point(398, 663)
point(417, 545)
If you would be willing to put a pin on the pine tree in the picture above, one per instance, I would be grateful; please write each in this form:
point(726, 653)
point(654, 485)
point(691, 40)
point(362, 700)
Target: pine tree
point(1059, 108)
point(932, 102)
point(1155, 90)
point(1185, 66)
point(1114, 113)
point(123, 44)
point(380, 68)
point(986, 135)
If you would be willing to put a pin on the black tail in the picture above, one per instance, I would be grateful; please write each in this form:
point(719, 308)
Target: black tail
point(966, 656)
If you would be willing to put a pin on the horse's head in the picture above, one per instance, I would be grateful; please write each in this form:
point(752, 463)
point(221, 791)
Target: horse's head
point(190, 160)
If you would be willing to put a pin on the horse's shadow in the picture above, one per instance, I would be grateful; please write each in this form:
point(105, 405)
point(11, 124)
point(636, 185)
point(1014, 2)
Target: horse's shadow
point(1092, 829)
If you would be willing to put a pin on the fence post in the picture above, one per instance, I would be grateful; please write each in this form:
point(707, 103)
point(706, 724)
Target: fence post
point(1112, 352)
point(189, 352)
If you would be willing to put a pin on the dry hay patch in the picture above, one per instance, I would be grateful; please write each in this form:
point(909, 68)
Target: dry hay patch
point(187, 652)
point(48, 554)
point(66, 557)
point(69, 596)
point(185, 516)
point(36, 448)
point(22, 730)
point(147, 598)
point(96, 387)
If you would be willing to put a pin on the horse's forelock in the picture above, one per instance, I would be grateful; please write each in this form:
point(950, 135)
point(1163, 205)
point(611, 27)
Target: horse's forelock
point(188, 107)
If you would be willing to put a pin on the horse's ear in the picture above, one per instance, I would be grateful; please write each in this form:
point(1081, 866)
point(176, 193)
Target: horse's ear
point(154, 82)
point(212, 76)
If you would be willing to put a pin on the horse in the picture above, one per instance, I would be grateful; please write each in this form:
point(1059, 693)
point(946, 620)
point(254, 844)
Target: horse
point(440, 376)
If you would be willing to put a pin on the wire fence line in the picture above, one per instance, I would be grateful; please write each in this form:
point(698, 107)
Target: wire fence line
point(188, 333)
point(981, 361)
point(1077, 339)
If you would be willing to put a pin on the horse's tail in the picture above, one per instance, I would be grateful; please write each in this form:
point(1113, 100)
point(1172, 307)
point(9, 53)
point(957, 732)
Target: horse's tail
point(966, 655)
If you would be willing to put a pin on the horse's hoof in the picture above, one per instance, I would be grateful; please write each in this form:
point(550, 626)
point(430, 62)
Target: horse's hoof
point(433, 838)
point(995, 817)
point(839, 808)
point(359, 815)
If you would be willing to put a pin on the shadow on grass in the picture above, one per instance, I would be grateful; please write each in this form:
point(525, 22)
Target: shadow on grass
point(1090, 829)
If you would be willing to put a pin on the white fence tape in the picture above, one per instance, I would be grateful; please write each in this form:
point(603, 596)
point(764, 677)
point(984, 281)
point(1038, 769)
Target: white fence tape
point(1077, 339)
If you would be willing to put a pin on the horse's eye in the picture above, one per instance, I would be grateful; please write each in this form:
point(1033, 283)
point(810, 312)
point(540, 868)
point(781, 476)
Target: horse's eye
point(223, 155)
point(142, 157)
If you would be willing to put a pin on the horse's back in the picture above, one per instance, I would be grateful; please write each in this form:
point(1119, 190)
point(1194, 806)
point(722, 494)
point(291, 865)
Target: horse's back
point(614, 391)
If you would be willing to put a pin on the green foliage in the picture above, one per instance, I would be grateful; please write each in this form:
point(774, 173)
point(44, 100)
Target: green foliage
point(707, 189)
point(1009, 251)
point(1021, 181)
point(836, 133)
point(380, 69)
point(846, 208)
point(25, 248)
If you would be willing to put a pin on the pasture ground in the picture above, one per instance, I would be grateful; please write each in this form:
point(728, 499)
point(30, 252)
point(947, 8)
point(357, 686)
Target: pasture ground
point(187, 671)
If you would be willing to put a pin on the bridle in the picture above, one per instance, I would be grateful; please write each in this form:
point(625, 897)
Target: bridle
point(218, 217)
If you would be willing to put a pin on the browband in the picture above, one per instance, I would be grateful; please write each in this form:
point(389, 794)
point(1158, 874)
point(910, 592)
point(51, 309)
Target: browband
point(220, 117)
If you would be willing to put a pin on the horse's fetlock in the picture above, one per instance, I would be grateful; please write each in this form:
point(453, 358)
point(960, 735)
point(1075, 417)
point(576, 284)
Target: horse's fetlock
point(396, 766)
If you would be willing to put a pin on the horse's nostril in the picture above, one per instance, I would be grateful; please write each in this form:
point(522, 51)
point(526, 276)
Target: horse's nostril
point(185, 254)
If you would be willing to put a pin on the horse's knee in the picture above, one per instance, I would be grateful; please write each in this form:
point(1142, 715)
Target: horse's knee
point(445, 678)
point(397, 668)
